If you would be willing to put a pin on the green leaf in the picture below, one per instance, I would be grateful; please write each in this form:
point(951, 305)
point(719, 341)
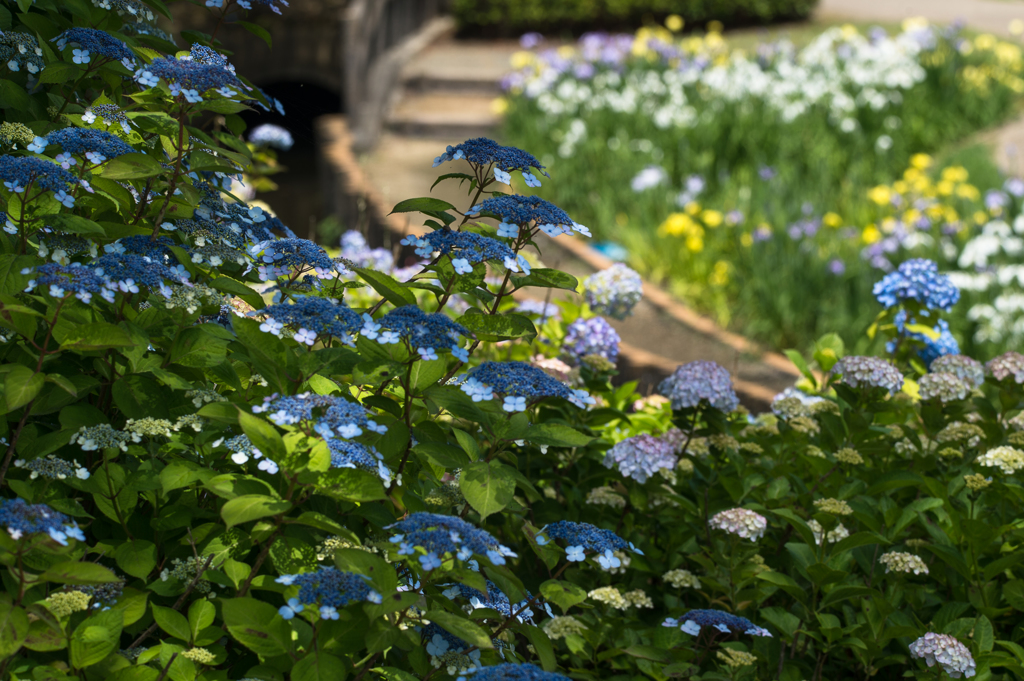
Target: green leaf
point(552, 434)
point(1001, 564)
point(984, 637)
point(858, 539)
point(422, 205)
point(320, 666)
point(237, 288)
point(13, 96)
point(263, 435)
point(197, 348)
point(546, 278)
point(14, 628)
point(393, 292)
point(380, 572)
point(798, 523)
point(131, 167)
point(139, 396)
point(786, 583)
point(252, 507)
point(1013, 592)
point(445, 456)
point(487, 487)
point(263, 35)
point(96, 637)
point(172, 622)
point(74, 224)
point(800, 363)
point(257, 626)
point(461, 627)
point(351, 484)
point(96, 336)
point(60, 72)
point(822, 574)
point(951, 557)
point(21, 385)
point(563, 594)
point(542, 644)
point(78, 573)
point(137, 557)
point(499, 327)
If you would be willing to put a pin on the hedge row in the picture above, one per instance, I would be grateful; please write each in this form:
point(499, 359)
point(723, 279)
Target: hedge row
point(514, 17)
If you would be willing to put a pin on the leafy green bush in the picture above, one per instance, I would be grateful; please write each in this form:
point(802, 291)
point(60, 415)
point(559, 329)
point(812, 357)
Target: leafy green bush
point(513, 17)
point(231, 456)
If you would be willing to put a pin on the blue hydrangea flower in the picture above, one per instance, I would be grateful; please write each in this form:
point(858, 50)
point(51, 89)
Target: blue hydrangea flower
point(96, 146)
point(128, 271)
point(530, 211)
point(83, 281)
point(467, 247)
point(188, 77)
point(961, 366)
point(869, 372)
point(271, 4)
point(582, 537)
point(22, 519)
point(427, 333)
point(482, 151)
point(538, 308)
point(919, 280)
point(495, 599)
point(511, 672)
point(131, 9)
point(945, 344)
point(333, 416)
point(330, 589)
point(441, 645)
point(91, 41)
point(270, 135)
point(593, 336)
point(242, 450)
point(109, 114)
point(614, 291)
point(691, 383)
point(724, 622)
point(517, 379)
point(19, 173)
point(281, 256)
point(441, 534)
point(311, 318)
point(345, 454)
point(142, 28)
point(21, 49)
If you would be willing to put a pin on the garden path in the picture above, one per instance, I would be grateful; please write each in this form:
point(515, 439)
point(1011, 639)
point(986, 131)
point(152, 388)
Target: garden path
point(447, 95)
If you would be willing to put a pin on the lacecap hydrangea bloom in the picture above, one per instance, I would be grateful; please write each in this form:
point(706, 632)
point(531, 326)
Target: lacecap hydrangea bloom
point(426, 333)
point(189, 77)
point(918, 280)
point(91, 41)
point(1007, 365)
point(494, 599)
point(329, 588)
point(582, 537)
point(22, 519)
point(593, 336)
point(448, 650)
point(614, 291)
point(898, 561)
point(682, 579)
point(310, 319)
point(953, 656)
point(519, 211)
point(349, 454)
point(742, 522)
point(511, 672)
point(519, 384)
point(21, 49)
point(832, 536)
point(337, 417)
point(870, 372)
point(692, 383)
point(53, 468)
point(96, 146)
point(466, 249)
point(482, 151)
point(20, 173)
point(641, 456)
point(441, 534)
point(270, 135)
point(694, 621)
point(963, 367)
point(1007, 459)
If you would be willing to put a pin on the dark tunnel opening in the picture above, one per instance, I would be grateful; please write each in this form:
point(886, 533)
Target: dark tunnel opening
point(298, 201)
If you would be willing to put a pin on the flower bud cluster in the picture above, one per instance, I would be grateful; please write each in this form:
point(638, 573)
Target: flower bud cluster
point(897, 561)
point(743, 523)
point(833, 506)
point(681, 579)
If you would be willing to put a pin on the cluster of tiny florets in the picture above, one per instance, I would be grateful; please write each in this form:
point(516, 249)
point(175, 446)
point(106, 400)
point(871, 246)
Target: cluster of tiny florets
point(954, 658)
point(976, 482)
point(189, 77)
point(92, 438)
point(270, 135)
point(641, 456)
point(593, 336)
point(310, 318)
point(523, 211)
point(427, 333)
point(335, 416)
point(482, 151)
point(21, 519)
point(53, 468)
point(349, 454)
point(898, 561)
point(1007, 459)
point(963, 367)
point(441, 534)
point(560, 627)
point(1007, 365)
point(869, 372)
point(21, 49)
point(65, 603)
point(918, 280)
point(512, 672)
point(185, 571)
point(682, 579)
point(466, 249)
point(944, 387)
point(699, 381)
point(605, 496)
point(735, 659)
point(833, 506)
point(92, 41)
point(847, 455)
point(832, 536)
point(614, 291)
point(742, 522)
point(328, 587)
point(519, 384)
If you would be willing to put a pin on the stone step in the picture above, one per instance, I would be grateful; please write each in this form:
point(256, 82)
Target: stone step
point(460, 67)
point(443, 115)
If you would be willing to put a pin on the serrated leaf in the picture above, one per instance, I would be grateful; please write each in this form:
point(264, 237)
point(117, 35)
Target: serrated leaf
point(499, 327)
point(487, 487)
point(252, 507)
point(131, 167)
point(461, 627)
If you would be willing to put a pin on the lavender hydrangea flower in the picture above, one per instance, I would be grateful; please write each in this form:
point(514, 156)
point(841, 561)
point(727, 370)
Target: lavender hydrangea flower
point(695, 620)
point(614, 291)
point(22, 519)
point(641, 456)
point(944, 387)
point(494, 599)
point(954, 658)
point(742, 522)
point(441, 534)
point(700, 381)
point(869, 372)
point(919, 280)
point(961, 366)
point(329, 588)
point(593, 336)
point(284, 255)
point(189, 77)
